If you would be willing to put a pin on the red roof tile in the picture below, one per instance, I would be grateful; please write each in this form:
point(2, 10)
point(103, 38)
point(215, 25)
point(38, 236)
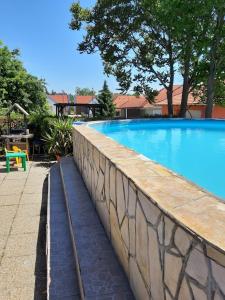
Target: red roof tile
point(124, 101)
point(161, 98)
point(84, 99)
point(59, 98)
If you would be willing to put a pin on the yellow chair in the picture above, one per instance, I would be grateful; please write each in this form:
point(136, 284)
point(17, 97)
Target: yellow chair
point(16, 149)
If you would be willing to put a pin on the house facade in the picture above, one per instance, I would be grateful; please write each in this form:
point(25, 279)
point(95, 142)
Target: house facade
point(195, 109)
point(89, 99)
point(57, 98)
point(129, 107)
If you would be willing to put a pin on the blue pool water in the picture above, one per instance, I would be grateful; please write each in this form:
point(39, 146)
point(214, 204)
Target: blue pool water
point(192, 148)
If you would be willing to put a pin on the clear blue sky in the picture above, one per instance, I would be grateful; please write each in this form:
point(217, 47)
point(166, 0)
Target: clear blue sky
point(39, 28)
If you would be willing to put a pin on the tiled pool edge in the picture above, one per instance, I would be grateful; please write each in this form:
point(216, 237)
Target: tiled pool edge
point(167, 233)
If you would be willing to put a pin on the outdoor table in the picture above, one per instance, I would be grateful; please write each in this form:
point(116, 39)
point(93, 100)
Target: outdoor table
point(15, 155)
point(19, 140)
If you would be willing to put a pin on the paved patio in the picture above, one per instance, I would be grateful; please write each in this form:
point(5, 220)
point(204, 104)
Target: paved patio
point(23, 200)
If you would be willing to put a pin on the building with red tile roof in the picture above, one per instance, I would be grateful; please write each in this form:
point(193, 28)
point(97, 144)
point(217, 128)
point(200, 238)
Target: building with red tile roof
point(161, 98)
point(88, 99)
point(124, 101)
point(59, 98)
point(85, 99)
point(134, 107)
point(56, 98)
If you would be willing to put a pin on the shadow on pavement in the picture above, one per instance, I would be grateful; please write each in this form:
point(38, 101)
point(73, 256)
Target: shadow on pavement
point(40, 292)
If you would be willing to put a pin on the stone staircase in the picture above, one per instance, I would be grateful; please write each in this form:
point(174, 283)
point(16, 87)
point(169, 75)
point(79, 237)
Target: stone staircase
point(81, 260)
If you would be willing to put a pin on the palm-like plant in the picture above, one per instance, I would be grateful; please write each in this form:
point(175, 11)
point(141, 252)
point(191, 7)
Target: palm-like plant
point(58, 138)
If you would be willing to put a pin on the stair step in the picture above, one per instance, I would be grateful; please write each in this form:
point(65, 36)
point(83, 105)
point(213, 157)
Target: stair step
point(62, 276)
point(101, 275)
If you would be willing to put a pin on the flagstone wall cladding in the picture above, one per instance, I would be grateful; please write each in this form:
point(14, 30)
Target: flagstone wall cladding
point(161, 257)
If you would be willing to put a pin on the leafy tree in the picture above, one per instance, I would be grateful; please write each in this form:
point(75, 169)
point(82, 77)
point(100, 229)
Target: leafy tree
point(133, 42)
point(187, 21)
point(84, 92)
point(145, 41)
point(17, 85)
point(214, 57)
point(105, 98)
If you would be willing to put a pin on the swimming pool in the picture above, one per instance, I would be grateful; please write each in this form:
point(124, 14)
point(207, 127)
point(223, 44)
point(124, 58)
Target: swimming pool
point(194, 149)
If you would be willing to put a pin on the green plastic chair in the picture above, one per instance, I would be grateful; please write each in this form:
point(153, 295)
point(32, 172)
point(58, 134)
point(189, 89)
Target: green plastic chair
point(10, 155)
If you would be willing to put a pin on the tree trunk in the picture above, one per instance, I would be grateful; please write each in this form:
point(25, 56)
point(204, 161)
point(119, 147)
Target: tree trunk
point(184, 99)
point(212, 66)
point(170, 87)
point(170, 101)
point(210, 89)
point(186, 85)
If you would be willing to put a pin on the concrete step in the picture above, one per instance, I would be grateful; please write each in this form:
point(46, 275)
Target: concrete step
point(100, 274)
point(62, 275)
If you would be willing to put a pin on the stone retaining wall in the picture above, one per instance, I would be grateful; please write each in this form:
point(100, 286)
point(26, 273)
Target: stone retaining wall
point(168, 234)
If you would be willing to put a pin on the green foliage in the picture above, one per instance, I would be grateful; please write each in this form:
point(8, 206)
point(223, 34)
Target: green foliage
point(17, 85)
point(58, 138)
point(144, 41)
point(219, 93)
point(105, 98)
point(39, 122)
point(84, 92)
point(134, 46)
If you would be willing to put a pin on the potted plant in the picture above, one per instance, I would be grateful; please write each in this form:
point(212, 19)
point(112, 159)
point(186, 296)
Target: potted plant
point(58, 138)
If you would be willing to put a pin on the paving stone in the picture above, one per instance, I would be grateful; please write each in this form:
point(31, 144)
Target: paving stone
point(125, 232)
point(219, 275)
point(25, 225)
point(132, 236)
point(104, 215)
point(16, 272)
point(21, 244)
point(137, 282)
point(3, 239)
point(31, 210)
point(6, 200)
point(218, 296)
point(182, 240)
point(150, 210)
point(185, 291)
point(169, 226)
point(121, 205)
point(168, 297)
point(160, 231)
point(197, 266)
point(198, 293)
point(17, 183)
point(33, 189)
point(13, 190)
point(30, 198)
point(99, 187)
point(106, 184)
point(21, 293)
point(171, 278)
point(216, 255)
point(17, 174)
point(7, 214)
point(132, 201)
point(112, 181)
point(117, 240)
point(142, 244)
point(155, 265)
